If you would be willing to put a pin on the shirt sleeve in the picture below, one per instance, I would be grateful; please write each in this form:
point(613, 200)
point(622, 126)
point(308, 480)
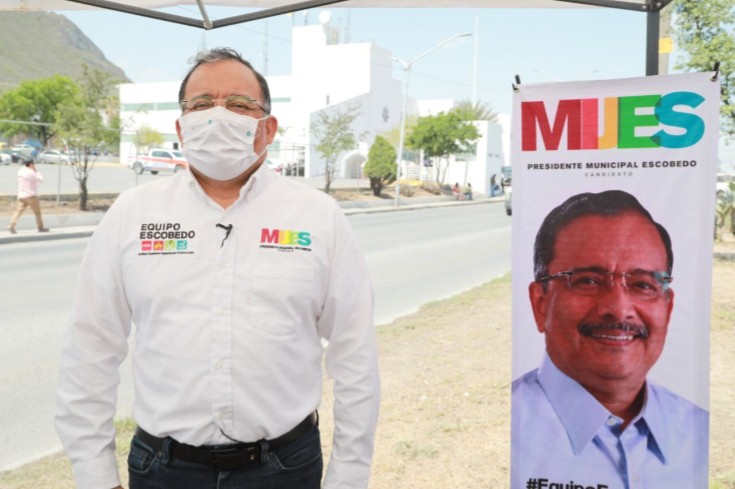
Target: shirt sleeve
point(94, 347)
point(351, 361)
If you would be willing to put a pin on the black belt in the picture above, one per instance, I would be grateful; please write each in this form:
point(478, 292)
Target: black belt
point(233, 457)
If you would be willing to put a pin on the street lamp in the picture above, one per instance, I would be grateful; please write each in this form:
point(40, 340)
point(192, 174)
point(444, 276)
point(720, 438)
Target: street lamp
point(407, 69)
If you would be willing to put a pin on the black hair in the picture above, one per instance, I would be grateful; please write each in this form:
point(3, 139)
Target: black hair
point(607, 203)
point(224, 54)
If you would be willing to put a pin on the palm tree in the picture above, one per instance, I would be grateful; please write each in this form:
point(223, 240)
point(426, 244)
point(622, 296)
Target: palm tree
point(479, 111)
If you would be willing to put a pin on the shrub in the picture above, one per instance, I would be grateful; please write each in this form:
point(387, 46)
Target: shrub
point(381, 165)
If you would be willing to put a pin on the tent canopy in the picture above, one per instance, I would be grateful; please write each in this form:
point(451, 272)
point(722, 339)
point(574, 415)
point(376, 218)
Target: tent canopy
point(271, 8)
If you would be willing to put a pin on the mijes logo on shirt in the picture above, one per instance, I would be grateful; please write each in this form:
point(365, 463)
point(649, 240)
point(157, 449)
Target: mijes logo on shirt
point(165, 238)
point(285, 239)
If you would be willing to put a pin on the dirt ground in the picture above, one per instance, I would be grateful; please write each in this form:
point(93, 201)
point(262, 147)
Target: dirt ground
point(445, 414)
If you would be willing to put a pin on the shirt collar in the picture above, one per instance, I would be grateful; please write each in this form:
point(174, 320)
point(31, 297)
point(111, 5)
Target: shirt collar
point(256, 182)
point(579, 412)
point(651, 422)
point(583, 416)
point(248, 192)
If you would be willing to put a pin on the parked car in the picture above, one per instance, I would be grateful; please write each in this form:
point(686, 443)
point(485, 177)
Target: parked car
point(158, 159)
point(53, 157)
point(14, 156)
point(25, 150)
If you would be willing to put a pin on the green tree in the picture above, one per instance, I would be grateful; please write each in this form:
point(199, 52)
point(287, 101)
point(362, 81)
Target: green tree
point(394, 135)
point(88, 121)
point(333, 130)
point(33, 104)
point(380, 167)
point(440, 136)
point(479, 111)
point(146, 138)
point(703, 33)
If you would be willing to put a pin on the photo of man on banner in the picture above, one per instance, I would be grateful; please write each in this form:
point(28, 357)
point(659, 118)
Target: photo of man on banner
point(602, 297)
point(612, 251)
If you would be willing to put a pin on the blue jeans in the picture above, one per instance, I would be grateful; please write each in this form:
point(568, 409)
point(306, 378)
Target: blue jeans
point(296, 465)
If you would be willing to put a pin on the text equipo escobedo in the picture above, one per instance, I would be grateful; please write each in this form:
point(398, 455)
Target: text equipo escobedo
point(168, 230)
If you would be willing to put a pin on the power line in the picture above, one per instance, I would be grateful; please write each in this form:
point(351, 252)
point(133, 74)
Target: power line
point(28, 123)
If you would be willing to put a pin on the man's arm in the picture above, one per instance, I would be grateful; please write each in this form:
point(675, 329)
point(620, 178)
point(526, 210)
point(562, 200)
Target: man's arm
point(351, 361)
point(95, 345)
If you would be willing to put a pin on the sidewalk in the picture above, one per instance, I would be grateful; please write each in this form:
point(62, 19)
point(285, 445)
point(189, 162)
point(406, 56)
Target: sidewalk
point(65, 226)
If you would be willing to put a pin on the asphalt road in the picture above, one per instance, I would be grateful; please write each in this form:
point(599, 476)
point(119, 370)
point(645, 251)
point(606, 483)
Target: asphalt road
point(414, 257)
point(107, 176)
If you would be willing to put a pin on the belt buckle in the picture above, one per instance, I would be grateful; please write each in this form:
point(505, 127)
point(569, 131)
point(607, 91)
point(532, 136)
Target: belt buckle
point(234, 458)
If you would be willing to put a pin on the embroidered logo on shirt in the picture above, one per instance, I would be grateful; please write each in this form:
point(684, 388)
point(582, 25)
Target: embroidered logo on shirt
point(285, 239)
point(165, 238)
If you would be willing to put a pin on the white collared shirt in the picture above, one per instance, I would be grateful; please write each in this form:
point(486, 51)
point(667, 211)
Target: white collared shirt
point(228, 331)
point(561, 434)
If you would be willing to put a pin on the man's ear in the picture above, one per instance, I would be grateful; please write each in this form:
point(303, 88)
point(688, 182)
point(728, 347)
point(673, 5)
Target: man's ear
point(539, 304)
point(178, 131)
point(271, 128)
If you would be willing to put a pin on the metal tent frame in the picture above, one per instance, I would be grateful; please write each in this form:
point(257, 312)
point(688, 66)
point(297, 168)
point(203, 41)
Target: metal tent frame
point(271, 8)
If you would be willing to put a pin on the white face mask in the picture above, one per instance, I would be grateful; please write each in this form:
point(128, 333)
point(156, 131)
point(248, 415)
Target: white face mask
point(218, 142)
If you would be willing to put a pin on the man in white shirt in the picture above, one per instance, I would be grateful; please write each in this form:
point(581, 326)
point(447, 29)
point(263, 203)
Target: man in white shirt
point(602, 298)
point(28, 180)
point(233, 276)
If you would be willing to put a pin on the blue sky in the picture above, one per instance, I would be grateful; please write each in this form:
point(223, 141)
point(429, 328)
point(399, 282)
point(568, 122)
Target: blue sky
point(541, 45)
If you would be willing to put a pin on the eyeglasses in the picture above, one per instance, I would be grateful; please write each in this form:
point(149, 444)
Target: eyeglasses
point(640, 284)
point(240, 104)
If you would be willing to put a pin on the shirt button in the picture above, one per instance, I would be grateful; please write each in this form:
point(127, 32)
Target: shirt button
point(219, 364)
point(612, 421)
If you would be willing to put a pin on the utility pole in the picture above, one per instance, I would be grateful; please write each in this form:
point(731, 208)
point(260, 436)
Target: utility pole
point(265, 50)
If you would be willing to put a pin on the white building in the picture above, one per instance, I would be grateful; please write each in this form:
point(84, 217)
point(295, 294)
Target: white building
point(326, 76)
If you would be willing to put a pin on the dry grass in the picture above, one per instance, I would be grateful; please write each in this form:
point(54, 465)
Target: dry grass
point(722, 377)
point(446, 397)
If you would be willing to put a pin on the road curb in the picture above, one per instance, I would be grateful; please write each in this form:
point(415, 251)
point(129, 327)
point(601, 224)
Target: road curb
point(33, 236)
point(67, 226)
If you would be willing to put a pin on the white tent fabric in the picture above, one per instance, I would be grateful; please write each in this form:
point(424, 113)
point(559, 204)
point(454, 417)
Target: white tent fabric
point(269, 8)
point(261, 9)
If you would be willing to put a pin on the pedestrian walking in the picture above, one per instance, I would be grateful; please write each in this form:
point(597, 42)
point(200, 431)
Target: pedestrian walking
point(28, 180)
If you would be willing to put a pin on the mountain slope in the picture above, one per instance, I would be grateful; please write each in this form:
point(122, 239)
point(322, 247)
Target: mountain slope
point(40, 44)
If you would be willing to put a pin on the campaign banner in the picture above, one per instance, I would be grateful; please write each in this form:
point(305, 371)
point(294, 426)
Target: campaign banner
point(613, 220)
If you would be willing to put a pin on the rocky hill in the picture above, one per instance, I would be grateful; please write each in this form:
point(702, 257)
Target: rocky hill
point(41, 44)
